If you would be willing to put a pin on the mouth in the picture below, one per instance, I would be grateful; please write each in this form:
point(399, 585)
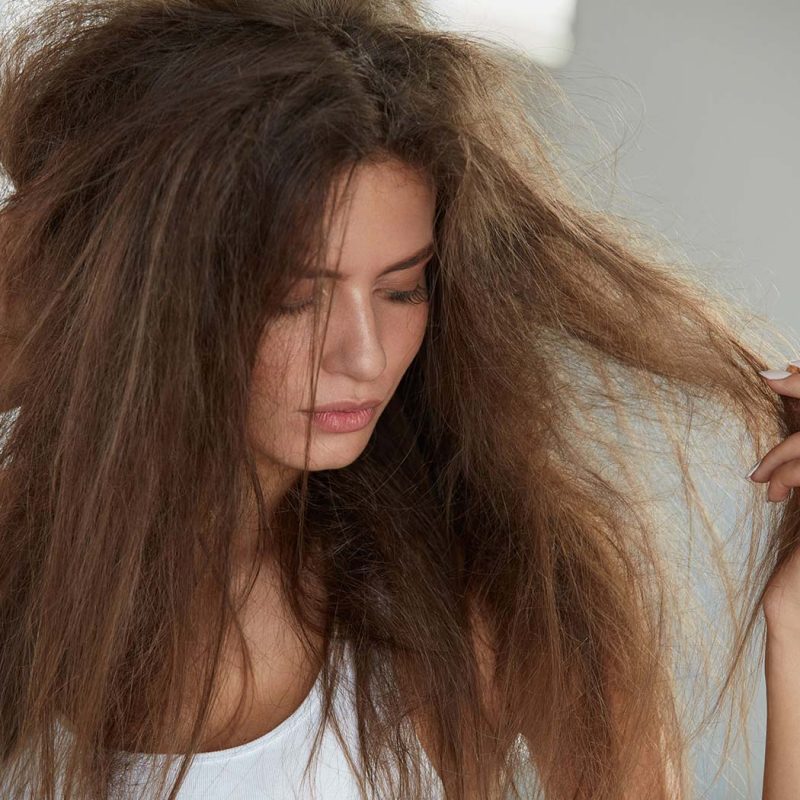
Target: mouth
point(344, 421)
point(344, 406)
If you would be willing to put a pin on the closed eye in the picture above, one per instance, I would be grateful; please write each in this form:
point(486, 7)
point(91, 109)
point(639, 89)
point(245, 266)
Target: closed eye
point(414, 296)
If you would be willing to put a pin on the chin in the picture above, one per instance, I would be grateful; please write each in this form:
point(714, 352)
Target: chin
point(339, 451)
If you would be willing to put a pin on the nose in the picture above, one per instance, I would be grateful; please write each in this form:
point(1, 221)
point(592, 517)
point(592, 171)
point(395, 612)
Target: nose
point(353, 343)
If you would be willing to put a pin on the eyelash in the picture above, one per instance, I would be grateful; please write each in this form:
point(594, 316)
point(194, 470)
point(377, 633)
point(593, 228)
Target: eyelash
point(418, 295)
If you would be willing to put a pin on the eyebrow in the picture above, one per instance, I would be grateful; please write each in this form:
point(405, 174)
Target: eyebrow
point(406, 263)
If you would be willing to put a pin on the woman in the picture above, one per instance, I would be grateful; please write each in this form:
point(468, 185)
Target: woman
point(226, 215)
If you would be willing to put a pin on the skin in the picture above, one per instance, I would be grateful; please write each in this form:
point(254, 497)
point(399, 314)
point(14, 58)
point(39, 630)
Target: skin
point(371, 339)
point(780, 468)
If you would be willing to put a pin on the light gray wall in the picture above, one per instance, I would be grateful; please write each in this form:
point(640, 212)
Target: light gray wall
point(706, 97)
point(702, 100)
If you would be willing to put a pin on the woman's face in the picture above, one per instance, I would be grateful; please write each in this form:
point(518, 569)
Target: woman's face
point(373, 333)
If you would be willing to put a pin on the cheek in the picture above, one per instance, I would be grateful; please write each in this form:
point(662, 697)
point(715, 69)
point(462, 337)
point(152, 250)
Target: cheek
point(405, 341)
point(279, 367)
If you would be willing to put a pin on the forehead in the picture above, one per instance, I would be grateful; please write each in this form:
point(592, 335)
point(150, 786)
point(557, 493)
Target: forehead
point(383, 222)
point(405, 263)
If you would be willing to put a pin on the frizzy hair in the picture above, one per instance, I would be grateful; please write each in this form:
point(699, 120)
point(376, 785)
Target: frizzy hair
point(493, 557)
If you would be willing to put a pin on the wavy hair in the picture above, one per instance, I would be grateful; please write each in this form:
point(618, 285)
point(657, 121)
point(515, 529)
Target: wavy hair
point(495, 558)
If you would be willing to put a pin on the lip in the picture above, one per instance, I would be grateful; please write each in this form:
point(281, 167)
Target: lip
point(343, 421)
point(344, 405)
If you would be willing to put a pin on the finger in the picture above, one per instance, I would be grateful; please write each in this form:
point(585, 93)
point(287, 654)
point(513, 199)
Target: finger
point(785, 382)
point(783, 479)
point(787, 450)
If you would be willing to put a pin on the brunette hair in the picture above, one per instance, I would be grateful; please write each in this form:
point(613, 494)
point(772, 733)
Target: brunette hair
point(495, 558)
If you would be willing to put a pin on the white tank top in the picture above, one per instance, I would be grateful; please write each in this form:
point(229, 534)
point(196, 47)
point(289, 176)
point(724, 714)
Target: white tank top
point(272, 765)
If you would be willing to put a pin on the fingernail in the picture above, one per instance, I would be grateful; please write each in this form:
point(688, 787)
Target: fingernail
point(755, 467)
point(775, 374)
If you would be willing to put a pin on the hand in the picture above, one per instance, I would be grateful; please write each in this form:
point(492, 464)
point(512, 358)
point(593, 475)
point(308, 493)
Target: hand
point(780, 467)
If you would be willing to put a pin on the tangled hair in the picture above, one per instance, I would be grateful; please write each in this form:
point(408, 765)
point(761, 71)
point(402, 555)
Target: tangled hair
point(495, 558)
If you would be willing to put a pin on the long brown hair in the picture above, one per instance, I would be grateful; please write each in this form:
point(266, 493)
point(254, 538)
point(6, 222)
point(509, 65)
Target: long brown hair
point(170, 163)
